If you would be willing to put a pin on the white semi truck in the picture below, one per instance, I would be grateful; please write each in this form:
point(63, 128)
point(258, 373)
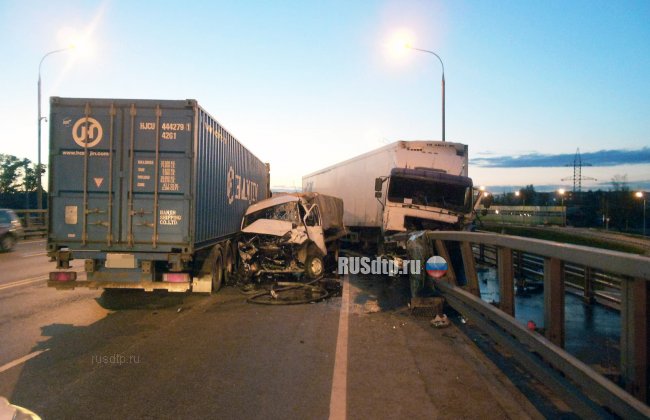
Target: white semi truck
point(401, 187)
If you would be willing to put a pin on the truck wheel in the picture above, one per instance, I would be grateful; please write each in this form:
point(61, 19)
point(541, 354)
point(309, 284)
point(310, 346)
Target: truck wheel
point(217, 274)
point(314, 266)
point(228, 263)
point(7, 242)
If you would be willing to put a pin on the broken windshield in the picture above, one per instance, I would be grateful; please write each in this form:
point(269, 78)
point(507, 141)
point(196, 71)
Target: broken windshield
point(287, 212)
point(430, 193)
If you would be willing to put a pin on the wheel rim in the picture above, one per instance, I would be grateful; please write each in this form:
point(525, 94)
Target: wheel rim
point(7, 242)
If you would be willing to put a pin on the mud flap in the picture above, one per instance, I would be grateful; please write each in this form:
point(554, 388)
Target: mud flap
point(201, 285)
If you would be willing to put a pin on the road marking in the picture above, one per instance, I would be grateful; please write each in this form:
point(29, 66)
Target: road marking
point(31, 241)
point(23, 282)
point(338, 399)
point(21, 360)
point(28, 281)
point(34, 254)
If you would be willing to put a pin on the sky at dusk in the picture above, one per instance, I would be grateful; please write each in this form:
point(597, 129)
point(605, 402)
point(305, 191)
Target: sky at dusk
point(305, 84)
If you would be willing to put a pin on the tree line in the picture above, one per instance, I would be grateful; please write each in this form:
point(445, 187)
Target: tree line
point(18, 182)
point(617, 208)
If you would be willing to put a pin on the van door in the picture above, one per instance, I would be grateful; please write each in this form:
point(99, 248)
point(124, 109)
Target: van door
point(314, 225)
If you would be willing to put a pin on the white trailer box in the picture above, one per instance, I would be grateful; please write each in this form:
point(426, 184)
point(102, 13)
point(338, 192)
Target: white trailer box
point(404, 186)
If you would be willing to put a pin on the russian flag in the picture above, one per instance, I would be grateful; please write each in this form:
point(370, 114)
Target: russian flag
point(436, 267)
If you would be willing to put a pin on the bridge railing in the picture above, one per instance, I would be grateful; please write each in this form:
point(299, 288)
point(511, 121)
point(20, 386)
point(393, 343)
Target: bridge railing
point(592, 284)
point(34, 222)
point(634, 274)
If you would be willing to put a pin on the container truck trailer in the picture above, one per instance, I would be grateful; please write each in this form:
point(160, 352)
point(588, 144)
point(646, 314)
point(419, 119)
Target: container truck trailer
point(404, 186)
point(149, 193)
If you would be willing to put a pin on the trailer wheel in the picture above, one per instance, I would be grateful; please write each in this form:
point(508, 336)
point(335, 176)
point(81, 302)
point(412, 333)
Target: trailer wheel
point(228, 263)
point(217, 273)
point(314, 266)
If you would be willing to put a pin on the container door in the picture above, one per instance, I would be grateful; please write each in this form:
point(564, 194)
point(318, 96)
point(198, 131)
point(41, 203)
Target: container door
point(157, 177)
point(84, 175)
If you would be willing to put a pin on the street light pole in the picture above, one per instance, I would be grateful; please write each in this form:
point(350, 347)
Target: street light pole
point(443, 86)
point(39, 193)
point(562, 191)
point(640, 194)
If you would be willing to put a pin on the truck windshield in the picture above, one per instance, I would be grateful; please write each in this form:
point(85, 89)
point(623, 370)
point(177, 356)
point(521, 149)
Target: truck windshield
point(286, 211)
point(429, 193)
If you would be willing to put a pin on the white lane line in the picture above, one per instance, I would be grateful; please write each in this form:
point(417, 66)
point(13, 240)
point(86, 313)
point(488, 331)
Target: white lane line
point(30, 280)
point(34, 254)
point(23, 282)
point(21, 360)
point(338, 399)
point(32, 241)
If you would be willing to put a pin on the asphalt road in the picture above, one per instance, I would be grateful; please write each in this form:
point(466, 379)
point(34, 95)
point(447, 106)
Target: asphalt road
point(92, 354)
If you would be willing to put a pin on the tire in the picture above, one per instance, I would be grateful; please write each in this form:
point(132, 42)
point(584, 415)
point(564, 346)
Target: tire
point(314, 266)
point(228, 264)
point(7, 243)
point(217, 273)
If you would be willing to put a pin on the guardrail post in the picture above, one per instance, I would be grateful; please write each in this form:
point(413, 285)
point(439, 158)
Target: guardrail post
point(481, 253)
point(554, 300)
point(441, 248)
point(635, 320)
point(469, 266)
point(505, 274)
point(588, 290)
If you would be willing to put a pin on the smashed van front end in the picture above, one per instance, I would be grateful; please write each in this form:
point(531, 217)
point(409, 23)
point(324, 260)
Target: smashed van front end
point(286, 234)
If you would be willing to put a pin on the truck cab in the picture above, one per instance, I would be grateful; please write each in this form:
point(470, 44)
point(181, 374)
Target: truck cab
point(424, 199)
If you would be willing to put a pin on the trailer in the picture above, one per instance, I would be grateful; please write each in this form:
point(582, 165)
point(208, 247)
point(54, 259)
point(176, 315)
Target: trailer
point(149, 193)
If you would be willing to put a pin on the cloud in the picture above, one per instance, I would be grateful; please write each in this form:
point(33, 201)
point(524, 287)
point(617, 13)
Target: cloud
point(599, 158)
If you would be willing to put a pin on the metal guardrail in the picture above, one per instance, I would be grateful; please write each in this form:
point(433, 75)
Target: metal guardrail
point(34, 222)
point(593, 285)
point(529, 347)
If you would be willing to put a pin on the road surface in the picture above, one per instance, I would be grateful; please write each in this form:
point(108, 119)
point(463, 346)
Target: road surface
point(91, 354)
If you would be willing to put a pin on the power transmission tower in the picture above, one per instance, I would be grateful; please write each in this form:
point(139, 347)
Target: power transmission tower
point(577, 172)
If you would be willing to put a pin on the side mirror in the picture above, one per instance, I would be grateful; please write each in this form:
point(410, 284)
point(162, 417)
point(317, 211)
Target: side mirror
point(378, 184)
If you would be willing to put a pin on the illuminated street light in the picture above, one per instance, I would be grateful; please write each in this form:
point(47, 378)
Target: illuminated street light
point(443, 83)
point(639, 194)
point(39, 193)
point(523, 197)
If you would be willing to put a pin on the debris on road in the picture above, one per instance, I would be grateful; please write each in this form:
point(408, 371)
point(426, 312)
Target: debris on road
point(440, 321)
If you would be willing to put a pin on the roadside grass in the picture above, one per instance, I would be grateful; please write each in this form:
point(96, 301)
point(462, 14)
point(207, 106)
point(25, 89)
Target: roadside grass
point(537, 233)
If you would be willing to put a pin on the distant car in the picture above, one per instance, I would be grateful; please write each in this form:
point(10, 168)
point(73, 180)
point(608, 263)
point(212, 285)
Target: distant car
point(10, 229)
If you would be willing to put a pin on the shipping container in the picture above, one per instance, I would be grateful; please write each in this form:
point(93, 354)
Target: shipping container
point(145, 191)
